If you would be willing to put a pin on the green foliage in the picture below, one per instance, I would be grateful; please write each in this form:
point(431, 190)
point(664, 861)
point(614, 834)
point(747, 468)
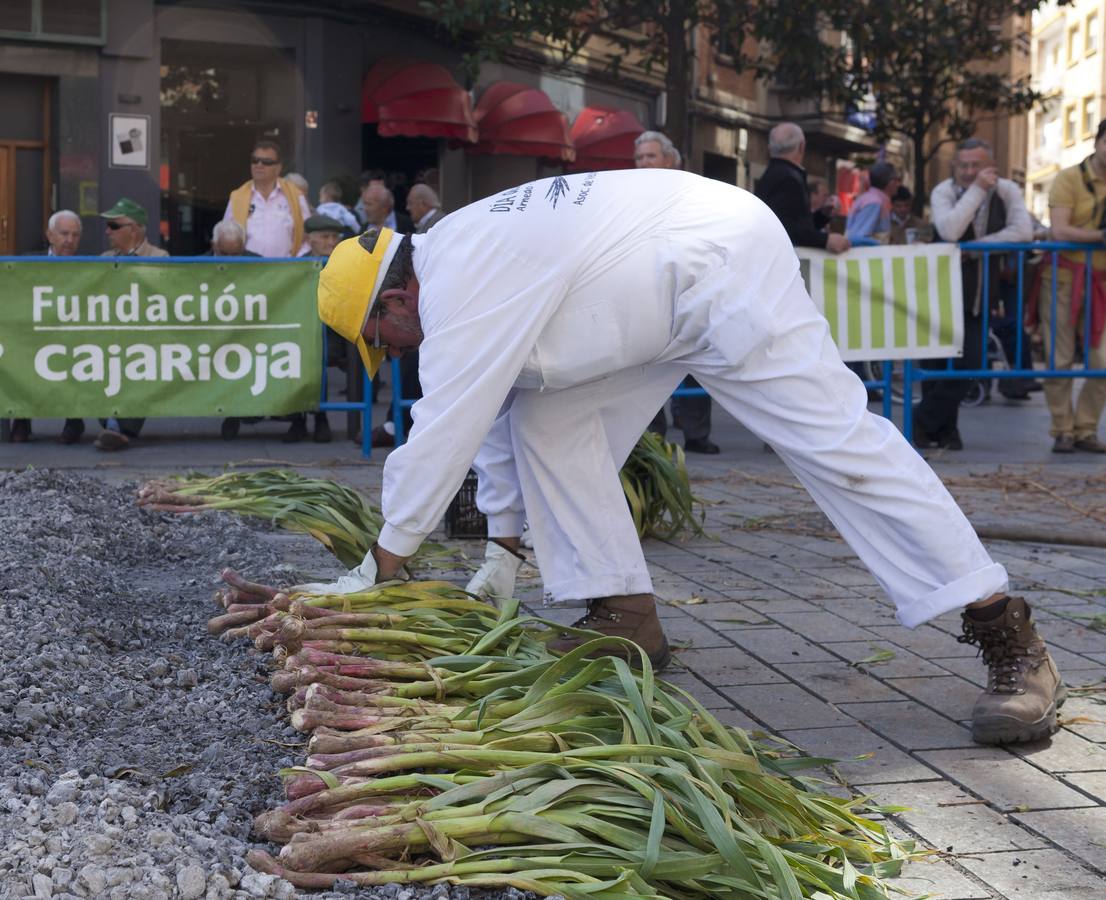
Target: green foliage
point(922, 63)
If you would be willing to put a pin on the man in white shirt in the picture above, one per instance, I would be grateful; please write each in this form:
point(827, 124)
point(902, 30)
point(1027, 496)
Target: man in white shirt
point(560, 313)
point(268, 207)
point(424, 207)
point(974, 205)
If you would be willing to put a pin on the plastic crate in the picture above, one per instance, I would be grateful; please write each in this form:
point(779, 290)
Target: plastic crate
point(462, 518)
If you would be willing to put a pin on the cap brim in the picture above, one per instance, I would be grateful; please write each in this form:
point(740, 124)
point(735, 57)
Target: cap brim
point(372, 357)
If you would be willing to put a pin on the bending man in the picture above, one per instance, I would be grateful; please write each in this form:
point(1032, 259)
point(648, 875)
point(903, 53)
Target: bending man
point(563, 312)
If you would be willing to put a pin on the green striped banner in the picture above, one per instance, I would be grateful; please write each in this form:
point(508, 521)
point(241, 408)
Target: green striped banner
point(897, 302)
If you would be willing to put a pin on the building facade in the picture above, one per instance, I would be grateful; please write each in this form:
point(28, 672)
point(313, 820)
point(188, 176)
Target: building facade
point(162, 101)
point(1069, 67)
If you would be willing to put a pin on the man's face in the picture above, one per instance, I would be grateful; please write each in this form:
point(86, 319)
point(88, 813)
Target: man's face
point(969, 163)
point(395, 320)
point(228, 246)
point(264, 166)
point(650, 155)
point(416, 206)
point(900, 208)
point(124, 234)
point(376, 206)
point(819, 196)
point(322, 243)
point(64, 237)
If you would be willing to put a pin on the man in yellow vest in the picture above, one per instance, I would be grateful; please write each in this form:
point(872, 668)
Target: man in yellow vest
point(271, 211)
point(269, 208)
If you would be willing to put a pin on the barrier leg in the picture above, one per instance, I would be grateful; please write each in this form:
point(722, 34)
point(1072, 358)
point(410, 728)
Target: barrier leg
point(908, 400)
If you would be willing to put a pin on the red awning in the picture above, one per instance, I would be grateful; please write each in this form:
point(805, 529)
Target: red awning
point(521, 121)
point(416, 99)
point(604, 138)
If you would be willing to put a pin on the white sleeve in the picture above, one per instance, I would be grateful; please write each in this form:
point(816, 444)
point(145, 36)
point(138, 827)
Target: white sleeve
point(951, 217)
point(1019, 227)
point(475, 345)
point(227, 215)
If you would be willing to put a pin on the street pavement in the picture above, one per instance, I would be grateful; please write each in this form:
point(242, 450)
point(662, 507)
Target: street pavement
point(779, 629)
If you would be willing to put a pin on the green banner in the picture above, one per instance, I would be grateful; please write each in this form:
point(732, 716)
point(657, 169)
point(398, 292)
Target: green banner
point(158, 338)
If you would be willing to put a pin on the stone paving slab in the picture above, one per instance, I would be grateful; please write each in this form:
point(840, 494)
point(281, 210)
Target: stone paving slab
point(1080, 831)
point(1035, 875)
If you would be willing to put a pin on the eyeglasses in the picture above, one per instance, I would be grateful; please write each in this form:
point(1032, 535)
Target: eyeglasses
point(376, 328)
point(263, 161)
point(115, 226)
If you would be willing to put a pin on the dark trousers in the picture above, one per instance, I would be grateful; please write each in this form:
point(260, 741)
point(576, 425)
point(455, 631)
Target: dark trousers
point(940, 406)
point(690, 414)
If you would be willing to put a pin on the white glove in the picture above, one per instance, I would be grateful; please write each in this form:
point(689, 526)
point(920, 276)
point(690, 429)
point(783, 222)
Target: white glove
point(496, 578)
point(355, 580)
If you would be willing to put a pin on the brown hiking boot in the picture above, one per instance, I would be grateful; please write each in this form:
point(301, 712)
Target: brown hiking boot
point(1024, 689)
point(632, 616)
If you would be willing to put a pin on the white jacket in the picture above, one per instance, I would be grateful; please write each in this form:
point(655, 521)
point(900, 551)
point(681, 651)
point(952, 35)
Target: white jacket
point(556, 283)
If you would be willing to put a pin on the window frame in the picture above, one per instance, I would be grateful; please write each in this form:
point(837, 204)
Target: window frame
point(37, 35)
point(1072, 44)
point(1084, 104)
point(1070, 115)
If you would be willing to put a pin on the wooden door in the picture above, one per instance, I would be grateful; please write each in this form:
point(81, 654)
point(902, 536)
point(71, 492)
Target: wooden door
point(7, 200)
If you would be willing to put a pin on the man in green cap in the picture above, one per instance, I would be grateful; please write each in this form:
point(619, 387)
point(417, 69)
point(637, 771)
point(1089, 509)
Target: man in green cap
point(126, 230)
point(125, 225)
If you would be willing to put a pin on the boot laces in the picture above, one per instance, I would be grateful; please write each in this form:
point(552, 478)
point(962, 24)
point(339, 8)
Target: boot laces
point(597, 614)
point(1007, 657)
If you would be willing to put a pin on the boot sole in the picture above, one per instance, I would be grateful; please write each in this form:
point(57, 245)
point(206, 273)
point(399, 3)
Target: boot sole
point(1012, 731)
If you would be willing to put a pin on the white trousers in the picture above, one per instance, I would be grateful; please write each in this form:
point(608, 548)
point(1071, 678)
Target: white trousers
point(554, 458)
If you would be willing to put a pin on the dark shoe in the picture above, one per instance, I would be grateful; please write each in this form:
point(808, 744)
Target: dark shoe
point(951, 441)
point(382, 438)
point(1064, 443)
point(1090, 444)
point(1014, 388)
point(701, 445)
point(297, 431)
point(1024, 689)
point(111, 440)
point(322, 429)
point(633, 616)
point(21, 431)
point(229, 428)
point(71, 431)
point(922, 438)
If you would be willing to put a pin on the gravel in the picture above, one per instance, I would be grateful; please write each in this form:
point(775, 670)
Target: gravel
point(135, 750)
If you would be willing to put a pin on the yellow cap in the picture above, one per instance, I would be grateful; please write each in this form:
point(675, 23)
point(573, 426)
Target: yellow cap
point(348, 286)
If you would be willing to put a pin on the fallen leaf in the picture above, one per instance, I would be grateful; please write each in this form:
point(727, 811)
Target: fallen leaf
point(693, 600)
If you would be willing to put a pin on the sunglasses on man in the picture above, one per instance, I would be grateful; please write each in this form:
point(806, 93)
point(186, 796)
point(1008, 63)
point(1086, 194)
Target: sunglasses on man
point(115, 226)
point(263, 161)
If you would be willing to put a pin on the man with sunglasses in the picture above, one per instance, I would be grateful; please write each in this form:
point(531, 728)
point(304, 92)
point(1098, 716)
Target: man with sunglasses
point(554, 317)
point(125, 229)
point(270, 209)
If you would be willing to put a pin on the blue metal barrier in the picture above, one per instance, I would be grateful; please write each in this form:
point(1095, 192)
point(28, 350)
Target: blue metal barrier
point(363, 406)
point(1053, 249)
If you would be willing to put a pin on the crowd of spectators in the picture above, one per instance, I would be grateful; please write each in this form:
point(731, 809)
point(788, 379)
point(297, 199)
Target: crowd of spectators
point(271, 216)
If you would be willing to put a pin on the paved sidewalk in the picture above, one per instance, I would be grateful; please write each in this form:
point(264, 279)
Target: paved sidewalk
point(781, 629)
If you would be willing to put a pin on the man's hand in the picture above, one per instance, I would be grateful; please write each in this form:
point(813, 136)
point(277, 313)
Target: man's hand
point(495, 580)
point(388, 564)
point(987, 178)
point(837, 243)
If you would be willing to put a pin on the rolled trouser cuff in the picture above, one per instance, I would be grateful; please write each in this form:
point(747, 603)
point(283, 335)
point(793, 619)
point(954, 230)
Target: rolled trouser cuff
point(978, 585)
point(592, 588)
point(506, 524)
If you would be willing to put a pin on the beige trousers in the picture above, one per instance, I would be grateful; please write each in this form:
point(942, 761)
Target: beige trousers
point(1082, 421)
